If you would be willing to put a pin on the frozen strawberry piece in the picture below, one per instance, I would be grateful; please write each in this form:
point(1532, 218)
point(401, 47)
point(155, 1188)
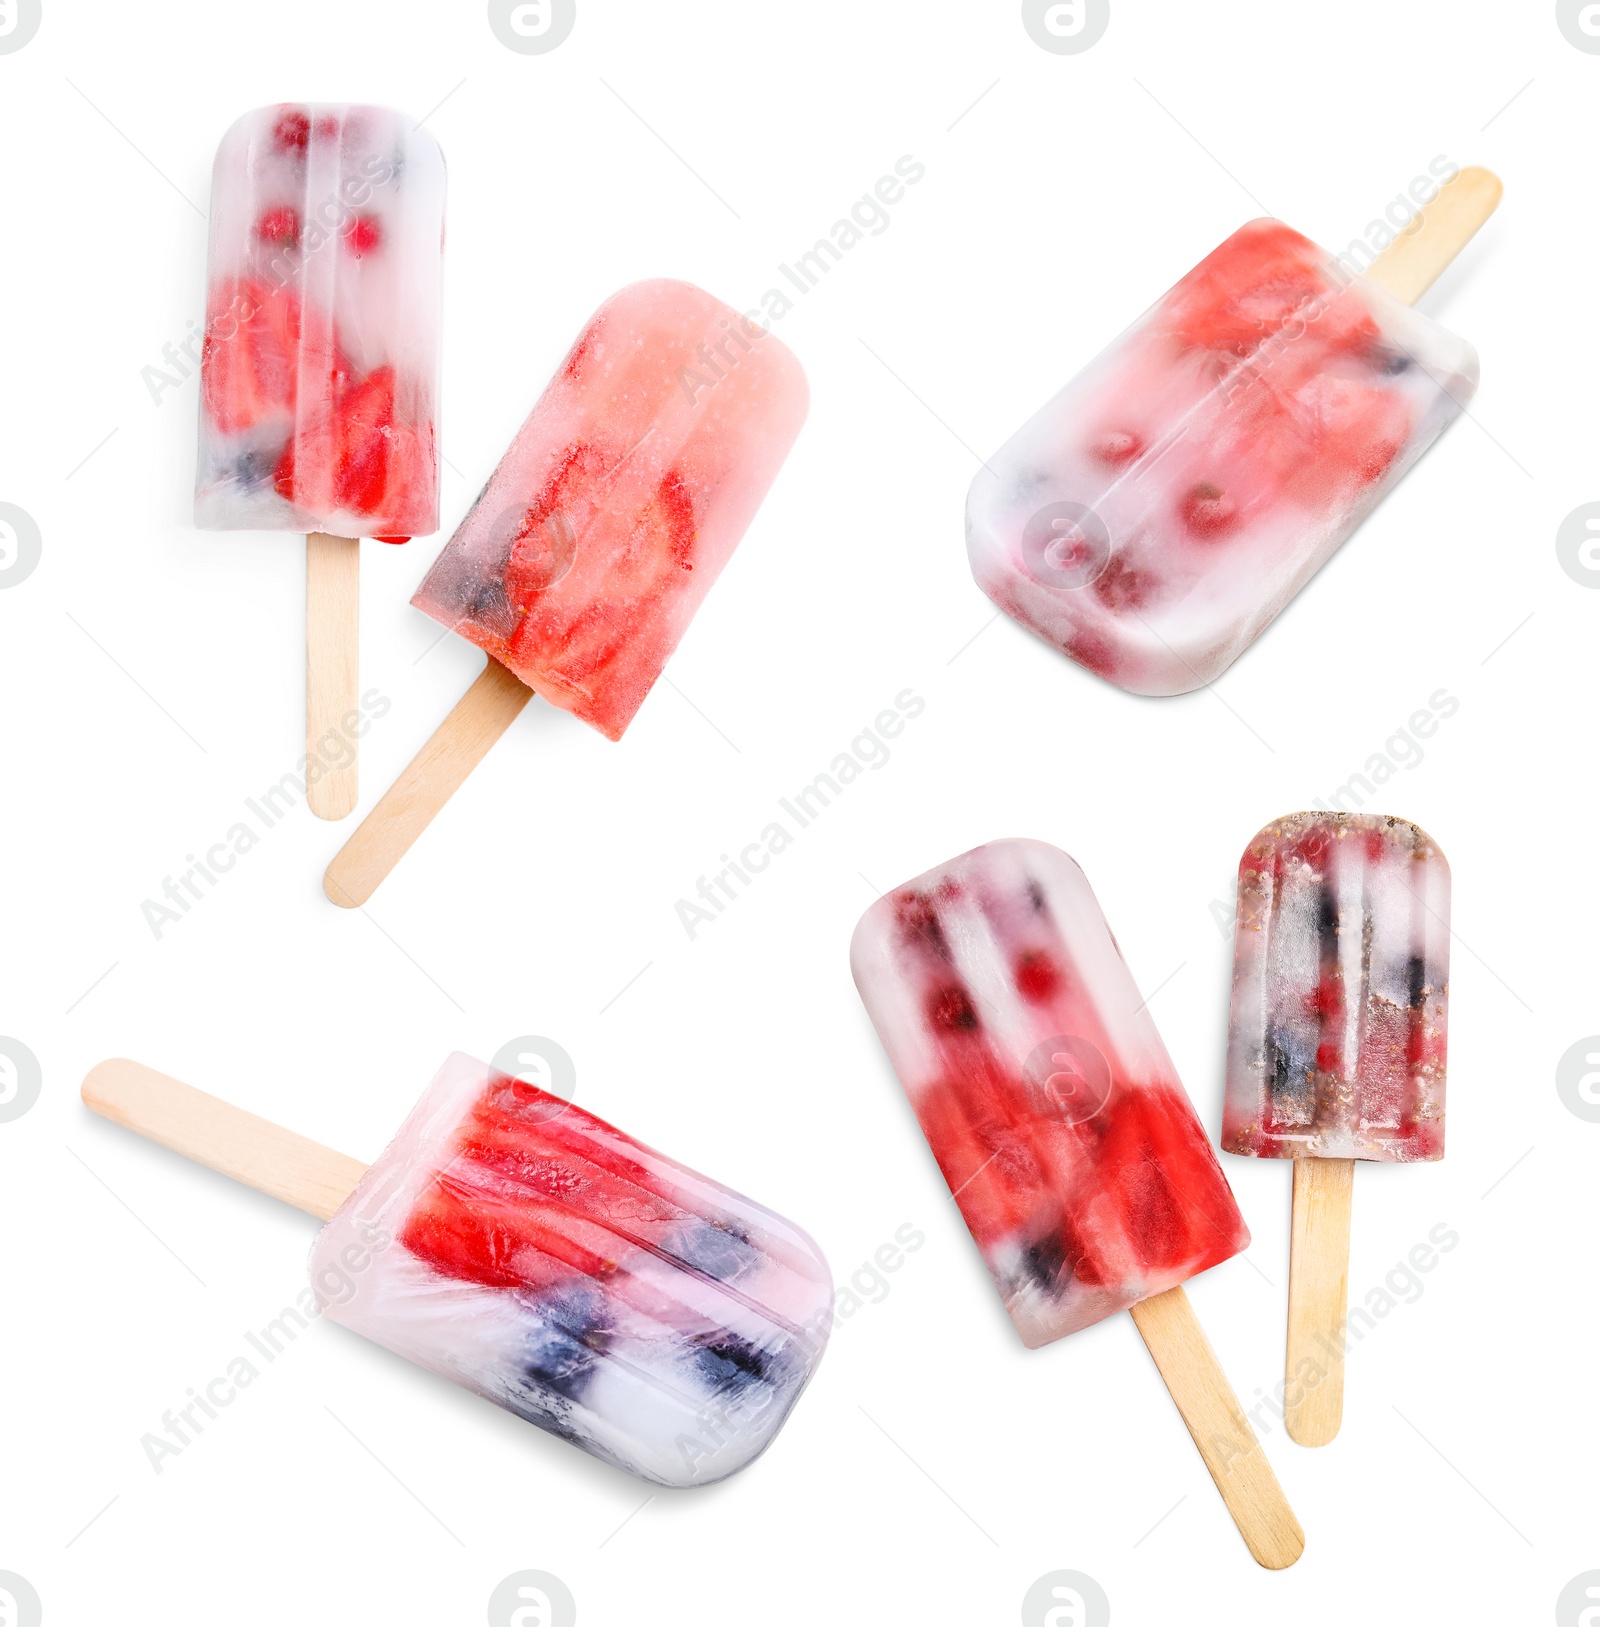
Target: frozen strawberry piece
point(248, 362)
point(463, 1232)
point(543, 543)
point(1042, 1087)
point(1337, 1044)
point(1267, 283)
point(356, 456)
point(660, 542)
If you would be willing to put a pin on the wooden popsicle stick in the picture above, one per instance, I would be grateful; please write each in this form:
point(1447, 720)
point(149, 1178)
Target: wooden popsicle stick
point(1219, 1427)
point(333, 622)
point(458, 745)
point(1319, 1270)
point(222, 1137)
point(1411, 264)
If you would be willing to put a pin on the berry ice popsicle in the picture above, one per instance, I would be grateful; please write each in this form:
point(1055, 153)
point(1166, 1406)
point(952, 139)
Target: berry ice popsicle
point(320, 371)
point(621, 499)
point(521, 1247)
point(320, 377)
point(1336, 1048)
point(1060, 1127)
point(580, 565)
point(1341, 966)
point(1152, 519)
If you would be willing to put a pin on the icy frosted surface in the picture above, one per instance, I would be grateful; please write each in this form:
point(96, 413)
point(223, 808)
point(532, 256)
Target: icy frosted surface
point(320, 378)
point(1341, 968)
point(537, 1255)
point(1169, 502)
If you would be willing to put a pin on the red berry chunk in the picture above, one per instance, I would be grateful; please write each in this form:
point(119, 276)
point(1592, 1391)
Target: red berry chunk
point(356, 455)
point(1038, 977)
point(534, 1191)
point(1117, 448)
point(1266, 280)
point(1208, 511)
point(280, 225)
point(364, 235)
point(247, 368)
point(292, 132)
point(951, 1010)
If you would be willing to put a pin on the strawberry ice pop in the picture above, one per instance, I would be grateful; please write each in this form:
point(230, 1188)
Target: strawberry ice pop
point(320, 373)
point(582, 562)
point(1152, 519)
point(1060, 1126)
point(523, 1248)
point(1336, 1047)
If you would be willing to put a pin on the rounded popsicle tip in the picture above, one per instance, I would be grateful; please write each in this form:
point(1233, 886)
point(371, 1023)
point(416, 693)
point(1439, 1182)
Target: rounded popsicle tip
point(1313, 1430)
point(1488, 186)
point(334, 797)
point(1019, 852)
point(341, 887)
point(103, 1084)
point(1279, 1546)
point(1319, 827)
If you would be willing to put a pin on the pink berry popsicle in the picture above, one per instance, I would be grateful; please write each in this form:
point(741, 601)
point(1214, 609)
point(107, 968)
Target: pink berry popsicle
point(1336, 1047)
point(529, 1251)
point(1061, 1129)
point(1152, 519)
point(621, 499)
point(597, 538)
point(320, 372)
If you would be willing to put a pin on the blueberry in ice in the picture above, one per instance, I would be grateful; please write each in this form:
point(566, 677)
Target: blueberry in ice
point(1291, 1076)
point(726, 1363)
point(569, 1336)
point(486, 604)
point(719, 1250)
point(252, 469)
point(1416, 979)
point(1327, 922)
point(1044, 1263)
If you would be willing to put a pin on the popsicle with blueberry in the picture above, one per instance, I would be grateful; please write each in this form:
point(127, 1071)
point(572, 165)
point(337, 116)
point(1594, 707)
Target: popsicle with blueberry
point(320, 369)
point(1157, 514)
point(597, 538)
point(1058, 1122)
point(1336, 1049)
point(519, 1246)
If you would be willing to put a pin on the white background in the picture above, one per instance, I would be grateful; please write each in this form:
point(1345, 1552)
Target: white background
point(935, 1469)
